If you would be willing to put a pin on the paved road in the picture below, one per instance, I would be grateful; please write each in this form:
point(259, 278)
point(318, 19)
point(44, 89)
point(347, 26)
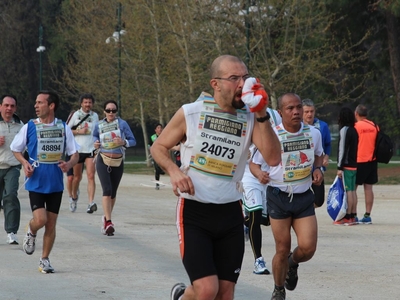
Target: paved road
point(142, 260)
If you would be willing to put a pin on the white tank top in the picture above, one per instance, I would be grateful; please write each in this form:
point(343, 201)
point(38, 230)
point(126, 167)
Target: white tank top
point(215, 151)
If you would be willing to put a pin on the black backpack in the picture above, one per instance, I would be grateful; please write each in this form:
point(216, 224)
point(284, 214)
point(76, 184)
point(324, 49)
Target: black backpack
point(383, 147)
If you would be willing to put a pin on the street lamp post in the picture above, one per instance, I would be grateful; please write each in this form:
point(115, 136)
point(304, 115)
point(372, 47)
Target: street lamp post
point(119, 57)
point(40, 49)
point(250, 7)
point(117, 37)
point(247, 25)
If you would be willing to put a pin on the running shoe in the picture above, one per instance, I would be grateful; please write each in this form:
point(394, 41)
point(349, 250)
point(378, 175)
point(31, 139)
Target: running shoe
point(365, 220)
point(354, 221)
point(107, 228)
point(92, 207)
point(343, 221)
point(291, 277)
point(177, 291)
point(278, 294)
point(12, 238)
point(260, 267)
point(73, 204)
point(29, 242)
point(44, 266)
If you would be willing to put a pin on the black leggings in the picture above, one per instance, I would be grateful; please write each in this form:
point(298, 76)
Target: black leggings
point(255, 234)
point(158, 170)
point(110, 177)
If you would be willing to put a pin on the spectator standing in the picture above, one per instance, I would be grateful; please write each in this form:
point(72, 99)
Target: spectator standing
point(112, 136)
point(82, 124)
point(290, 200)
point(367, 166)
point(10, 167)
point(47, 139)
point(310, 119)
point(347, 162)
point(215, 136)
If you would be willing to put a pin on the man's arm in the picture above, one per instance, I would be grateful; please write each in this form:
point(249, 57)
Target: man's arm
point(71, 147)
point(266, 140)
point(28, 168)
point(318, 174)
point(65, 166)
point(262, 176)
point(172, 134)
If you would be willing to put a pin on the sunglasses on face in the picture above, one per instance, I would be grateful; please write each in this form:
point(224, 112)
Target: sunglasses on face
point(109, 111)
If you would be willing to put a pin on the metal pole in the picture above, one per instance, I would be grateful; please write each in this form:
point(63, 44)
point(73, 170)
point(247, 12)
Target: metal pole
point(247, 34)
point(40, 56)
point(119, 58)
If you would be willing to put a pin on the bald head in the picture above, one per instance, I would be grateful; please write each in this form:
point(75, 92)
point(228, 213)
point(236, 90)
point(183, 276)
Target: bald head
point(287, 96)
point(219, 63)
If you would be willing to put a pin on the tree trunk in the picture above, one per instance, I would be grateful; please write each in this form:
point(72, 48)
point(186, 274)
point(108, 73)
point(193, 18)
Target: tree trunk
point(393, 29)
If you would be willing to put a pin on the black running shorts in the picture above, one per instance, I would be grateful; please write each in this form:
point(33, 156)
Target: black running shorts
point(51, 202)
point(211, 239)
point(367, 173)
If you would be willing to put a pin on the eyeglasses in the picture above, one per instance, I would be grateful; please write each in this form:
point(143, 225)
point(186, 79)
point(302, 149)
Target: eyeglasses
point(109, 111)
point(234, 78)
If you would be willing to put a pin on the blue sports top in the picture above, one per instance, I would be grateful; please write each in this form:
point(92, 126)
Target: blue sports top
point(47, 177)
point(105, 131)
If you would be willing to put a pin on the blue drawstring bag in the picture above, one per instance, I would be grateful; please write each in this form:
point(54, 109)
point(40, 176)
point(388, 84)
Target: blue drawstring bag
point(336, 203)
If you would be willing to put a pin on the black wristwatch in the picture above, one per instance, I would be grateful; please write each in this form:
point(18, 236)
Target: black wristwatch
point(321, 169)
point(263, 119)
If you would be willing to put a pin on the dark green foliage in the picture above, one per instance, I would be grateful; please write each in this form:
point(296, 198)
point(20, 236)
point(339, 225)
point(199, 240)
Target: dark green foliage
point(334, 52)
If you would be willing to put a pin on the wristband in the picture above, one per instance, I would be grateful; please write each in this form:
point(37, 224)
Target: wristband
point(321, 169)
point(263, 119)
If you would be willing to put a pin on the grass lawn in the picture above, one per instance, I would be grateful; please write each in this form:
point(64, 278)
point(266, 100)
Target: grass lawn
point(141, 169)
point(387, 173)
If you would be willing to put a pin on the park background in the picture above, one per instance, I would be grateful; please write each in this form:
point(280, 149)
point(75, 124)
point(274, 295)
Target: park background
point(153, 56)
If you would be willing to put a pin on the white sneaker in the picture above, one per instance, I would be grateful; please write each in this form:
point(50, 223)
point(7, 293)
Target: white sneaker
point(29, 243)
point(72, 204)
point(92, 207)
point(177, 291)
point(12, 238)
point(260, 267)
point(44, 266)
